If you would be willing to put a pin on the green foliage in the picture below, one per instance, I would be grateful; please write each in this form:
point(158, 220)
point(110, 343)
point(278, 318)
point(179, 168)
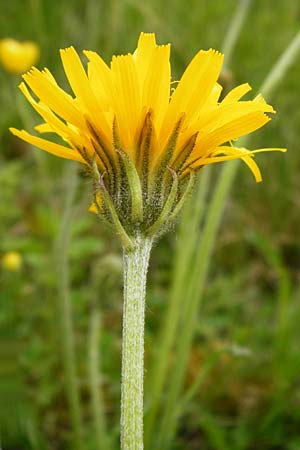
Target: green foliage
point(239, 388)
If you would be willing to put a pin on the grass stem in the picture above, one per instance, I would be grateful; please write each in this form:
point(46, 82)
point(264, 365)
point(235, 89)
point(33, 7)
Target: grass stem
point(234, 30)
point(135, 272)
point(65, 312)
point(97, 403)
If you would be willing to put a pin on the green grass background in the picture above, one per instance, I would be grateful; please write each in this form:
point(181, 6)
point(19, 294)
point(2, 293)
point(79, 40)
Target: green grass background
point(250, 398)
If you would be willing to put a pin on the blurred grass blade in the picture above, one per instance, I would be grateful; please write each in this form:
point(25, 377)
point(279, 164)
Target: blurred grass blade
point(192, 299)
point(279, 70)
point(209, 364)
point(64, 307)
point(93, 9)
point(38, 22)
point(214, 432)
point(187, 234)
point(97, 402)
point(274, 260)
point(234, 30)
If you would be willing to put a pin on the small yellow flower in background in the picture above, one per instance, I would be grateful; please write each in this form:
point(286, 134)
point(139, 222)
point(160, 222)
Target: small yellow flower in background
point(12, 261)
point(17, 57)
point(140, 140)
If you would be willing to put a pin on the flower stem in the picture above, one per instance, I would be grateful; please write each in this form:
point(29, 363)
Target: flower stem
point(135, 274)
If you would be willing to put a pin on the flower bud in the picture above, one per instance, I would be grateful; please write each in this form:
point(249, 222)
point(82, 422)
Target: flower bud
point(12, 261)
point(18, 57)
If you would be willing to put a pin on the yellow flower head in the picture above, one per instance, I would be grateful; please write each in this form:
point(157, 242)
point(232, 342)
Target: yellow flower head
point(12, 261)
point(141, 140)
point(18, 57)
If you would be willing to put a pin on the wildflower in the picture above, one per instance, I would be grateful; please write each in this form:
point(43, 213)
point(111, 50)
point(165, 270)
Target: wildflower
point(141, 145)
point(12, 261)
point(18, 57)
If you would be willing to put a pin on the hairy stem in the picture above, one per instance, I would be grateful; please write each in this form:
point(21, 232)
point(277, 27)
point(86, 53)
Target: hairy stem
point(132, 392)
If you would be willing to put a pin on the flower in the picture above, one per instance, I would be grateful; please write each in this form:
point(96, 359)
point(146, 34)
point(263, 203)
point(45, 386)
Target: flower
point(18, 57)
point(12, 261)
point(141, 140)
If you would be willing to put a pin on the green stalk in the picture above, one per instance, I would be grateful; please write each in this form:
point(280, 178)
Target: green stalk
point(281, 67)
point(234, 30)
point(103, 442)
point(93, 10)
point(135, 273)
point(202, 261)
point(192, 298)
point(36, 7)
point(65, 312)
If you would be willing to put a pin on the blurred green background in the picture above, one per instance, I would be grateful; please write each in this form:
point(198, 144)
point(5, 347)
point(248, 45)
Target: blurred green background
point(249, 318)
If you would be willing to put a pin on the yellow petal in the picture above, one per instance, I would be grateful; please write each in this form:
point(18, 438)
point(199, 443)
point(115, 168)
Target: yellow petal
point(216, 159)
point(50, 147)
point(230, 155)
point(210, 106)
point(246, 155)
point(143, 54)
point(119, 88)
point(93, 208)
point(54, 97)
point(235, 94)
point(249, 161)
point(99, 74)
point(82, 89)
point(44, 128)
point(156, 87)
point(266, 150)
point(229, 112)
point(96, 207)
point(128, 101)
point(55, 124)
point(213, 97)
point(230, 131)
point(194, 87)
point(96, 83)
